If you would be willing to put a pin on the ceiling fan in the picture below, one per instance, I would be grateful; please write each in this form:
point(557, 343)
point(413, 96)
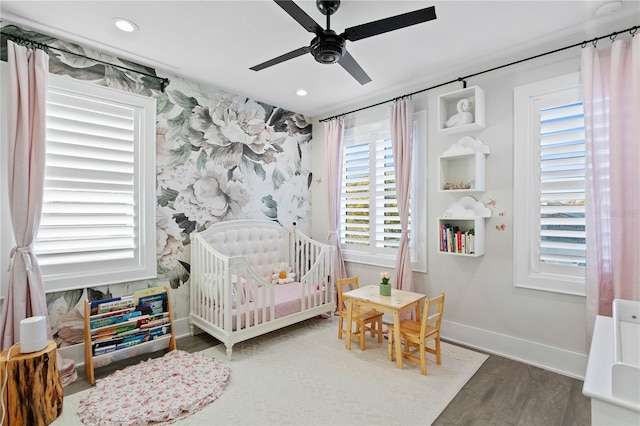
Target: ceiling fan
point(327, 47)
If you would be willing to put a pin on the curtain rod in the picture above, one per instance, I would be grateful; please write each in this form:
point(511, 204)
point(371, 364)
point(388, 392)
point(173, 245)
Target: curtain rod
point(164, 82)
point(612, 36)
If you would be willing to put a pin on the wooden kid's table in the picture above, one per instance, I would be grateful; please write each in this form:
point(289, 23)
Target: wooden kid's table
point(400, 300)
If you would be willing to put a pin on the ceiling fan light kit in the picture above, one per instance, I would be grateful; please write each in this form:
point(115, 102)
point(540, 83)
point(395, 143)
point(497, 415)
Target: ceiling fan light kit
point(328, 47)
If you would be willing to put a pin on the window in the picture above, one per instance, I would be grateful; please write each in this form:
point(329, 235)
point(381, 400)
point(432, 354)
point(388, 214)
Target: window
point(549, 164)
point(369, 219)
point(98, 223)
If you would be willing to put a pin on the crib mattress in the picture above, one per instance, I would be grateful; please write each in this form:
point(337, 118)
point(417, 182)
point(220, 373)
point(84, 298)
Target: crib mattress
point(287, 302)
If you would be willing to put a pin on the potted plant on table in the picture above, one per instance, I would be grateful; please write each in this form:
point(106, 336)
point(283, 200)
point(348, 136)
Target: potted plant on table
point(385, 286)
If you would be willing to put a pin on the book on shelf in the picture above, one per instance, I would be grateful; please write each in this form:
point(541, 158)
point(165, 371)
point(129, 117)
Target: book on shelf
point(130, 339)
point(113, 329)
point(118, 328)
point(453, 240)
point(151, 291)
point(113, 319)
point(113, 313)
point(93, 306)
point(115, 305)
point(152, 304)
point(155, 323)
point(103, 350)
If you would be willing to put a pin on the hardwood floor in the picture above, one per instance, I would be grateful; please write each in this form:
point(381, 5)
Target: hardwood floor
point(507, 392)
point(502, 392)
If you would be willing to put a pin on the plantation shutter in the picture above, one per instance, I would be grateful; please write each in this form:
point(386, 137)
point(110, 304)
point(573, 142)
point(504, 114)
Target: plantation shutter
point(98, 223)
point(387, 218)
point(354, 208)
point(88, 205)
point(562, 185)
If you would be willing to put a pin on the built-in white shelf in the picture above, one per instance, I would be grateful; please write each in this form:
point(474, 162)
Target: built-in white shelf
point(453, 120)
point(462, 167)
point(461, 229)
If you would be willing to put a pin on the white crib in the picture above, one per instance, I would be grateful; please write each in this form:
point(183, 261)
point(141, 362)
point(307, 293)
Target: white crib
point(232, 296)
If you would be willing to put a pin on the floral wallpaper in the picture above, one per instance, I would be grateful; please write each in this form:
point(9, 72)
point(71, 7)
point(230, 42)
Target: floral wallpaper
point(219, 156)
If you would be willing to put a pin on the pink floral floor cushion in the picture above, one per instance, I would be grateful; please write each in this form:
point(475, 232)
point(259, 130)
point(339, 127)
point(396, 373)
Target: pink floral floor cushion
point(156, 391)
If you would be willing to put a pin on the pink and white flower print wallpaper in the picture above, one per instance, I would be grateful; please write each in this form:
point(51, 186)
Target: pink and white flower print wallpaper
point(219, 156)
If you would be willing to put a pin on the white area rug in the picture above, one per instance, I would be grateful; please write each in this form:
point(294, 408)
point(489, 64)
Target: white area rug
point(304, 375)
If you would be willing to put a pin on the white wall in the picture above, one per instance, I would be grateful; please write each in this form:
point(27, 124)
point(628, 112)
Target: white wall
point(483, 309)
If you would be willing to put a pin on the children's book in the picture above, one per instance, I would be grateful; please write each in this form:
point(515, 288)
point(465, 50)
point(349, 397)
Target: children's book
point(147, 292)
point(152, 304)
point(116, 305)
point(113, 319)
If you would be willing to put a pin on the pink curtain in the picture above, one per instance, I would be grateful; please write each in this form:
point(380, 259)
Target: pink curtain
point(333, 133)
point(611, 84)
point(402, 144)
point(26, 118)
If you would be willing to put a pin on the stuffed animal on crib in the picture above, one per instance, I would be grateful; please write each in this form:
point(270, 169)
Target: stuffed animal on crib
point(283, 274)
point(464, 115)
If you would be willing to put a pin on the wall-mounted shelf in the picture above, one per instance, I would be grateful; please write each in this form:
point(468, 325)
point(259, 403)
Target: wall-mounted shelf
point(461, 236)
point(462, 167)
point(461, 230)
point(452, 120)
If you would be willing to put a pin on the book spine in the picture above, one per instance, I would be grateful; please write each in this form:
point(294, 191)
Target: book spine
point(112, 330)
point(110, 320)
point(93, 306)
point(115, 305)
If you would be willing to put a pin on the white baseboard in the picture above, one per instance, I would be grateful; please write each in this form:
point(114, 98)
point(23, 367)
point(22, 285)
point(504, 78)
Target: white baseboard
point(76, 352)
point(572, 364)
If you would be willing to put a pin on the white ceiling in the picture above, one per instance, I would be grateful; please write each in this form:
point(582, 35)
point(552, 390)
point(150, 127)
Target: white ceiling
point(215, 42)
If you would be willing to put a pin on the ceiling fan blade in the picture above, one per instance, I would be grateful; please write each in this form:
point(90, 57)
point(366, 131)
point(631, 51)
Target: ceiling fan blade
point(300, 16)
point(282, 58)
point(389, 24)
point(348, 63)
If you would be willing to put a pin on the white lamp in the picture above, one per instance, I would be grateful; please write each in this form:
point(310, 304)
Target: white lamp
point(33, 334)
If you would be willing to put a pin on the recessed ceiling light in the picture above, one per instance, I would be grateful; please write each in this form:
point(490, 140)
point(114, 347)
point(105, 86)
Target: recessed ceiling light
point(125, 25)
point(301, 92)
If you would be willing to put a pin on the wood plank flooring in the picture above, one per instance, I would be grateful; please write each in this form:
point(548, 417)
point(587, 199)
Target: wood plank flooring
point(502, 392)
point(506, 392)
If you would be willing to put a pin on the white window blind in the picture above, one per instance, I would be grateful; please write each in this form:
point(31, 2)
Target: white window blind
point(369, 207)
point(355, 223)
point(369, 218)
point(549, 186)
point(562, 185)
point(387, 216)
point(98, 223)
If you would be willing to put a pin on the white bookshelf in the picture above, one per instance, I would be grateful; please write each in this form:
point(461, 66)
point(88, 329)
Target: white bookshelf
point(464, 225)
point(462, 173)
point(464, 221)
point(447, 108)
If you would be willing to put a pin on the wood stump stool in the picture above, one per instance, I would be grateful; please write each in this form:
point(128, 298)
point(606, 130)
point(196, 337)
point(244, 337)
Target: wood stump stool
point(34, 392)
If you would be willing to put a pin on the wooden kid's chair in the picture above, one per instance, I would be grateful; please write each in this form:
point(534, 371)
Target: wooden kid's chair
point(417, 334)
point(365, 320)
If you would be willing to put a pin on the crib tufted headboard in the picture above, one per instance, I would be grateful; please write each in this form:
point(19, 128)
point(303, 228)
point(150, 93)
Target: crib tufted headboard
point(264, 244)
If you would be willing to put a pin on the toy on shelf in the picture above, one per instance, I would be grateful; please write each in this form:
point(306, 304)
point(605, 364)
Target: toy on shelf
point(464, 115)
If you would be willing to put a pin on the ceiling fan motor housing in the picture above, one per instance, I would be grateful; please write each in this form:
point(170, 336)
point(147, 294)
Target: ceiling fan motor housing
point(328, 48)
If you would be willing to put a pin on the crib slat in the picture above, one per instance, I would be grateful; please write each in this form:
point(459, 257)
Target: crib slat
point(213, 275)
